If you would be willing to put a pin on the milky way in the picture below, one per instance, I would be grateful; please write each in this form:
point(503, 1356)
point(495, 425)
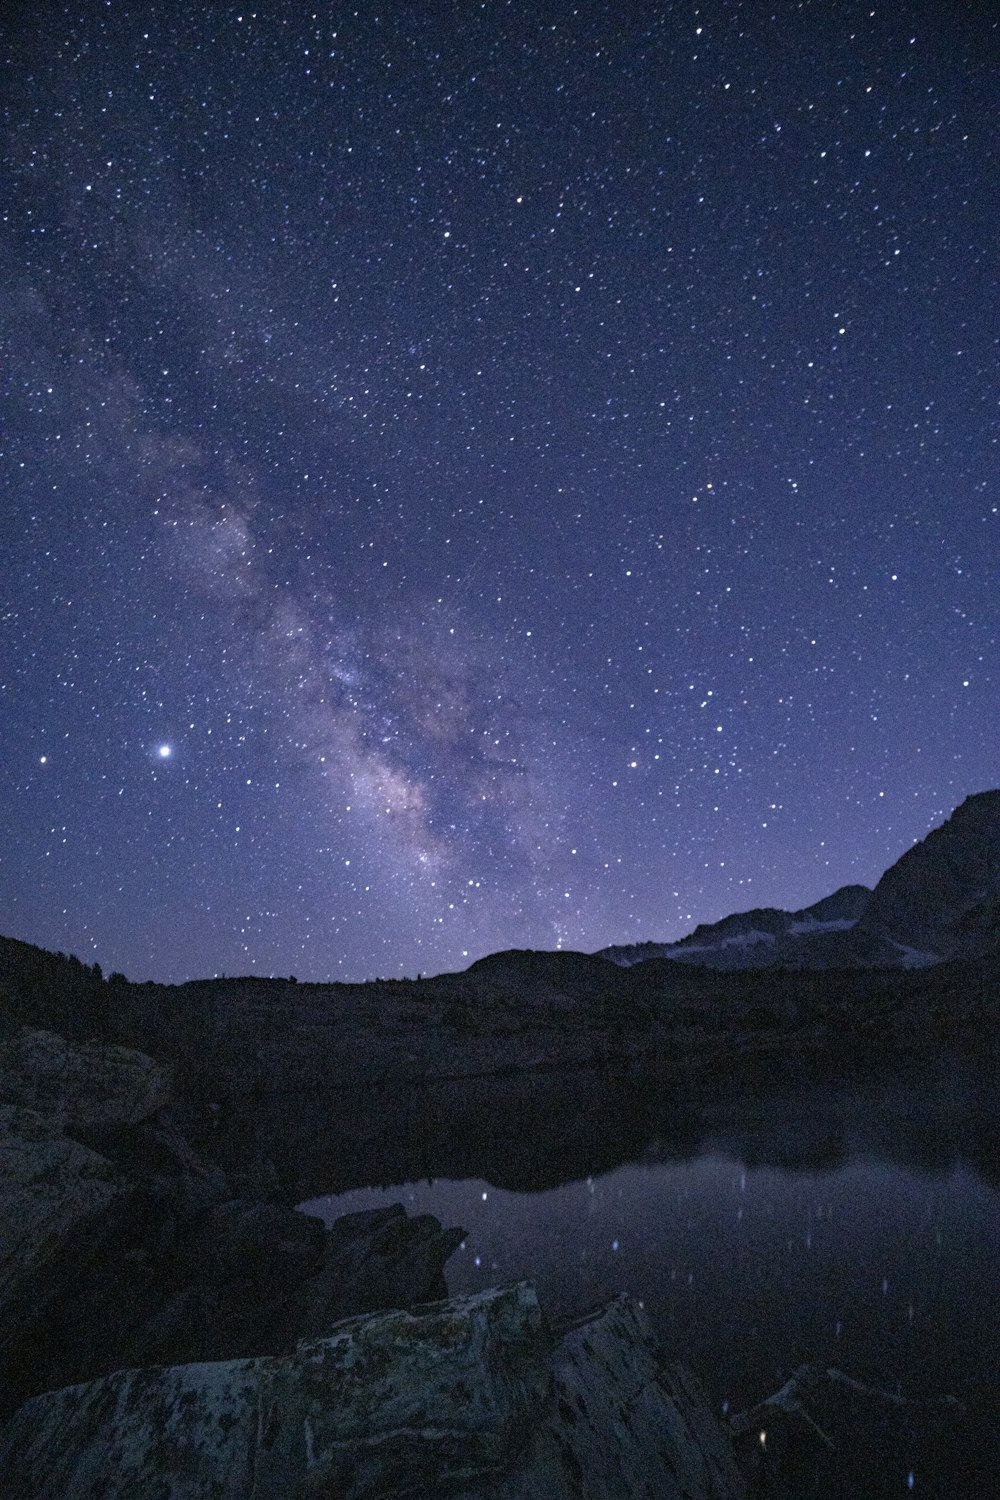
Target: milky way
point(487, 475)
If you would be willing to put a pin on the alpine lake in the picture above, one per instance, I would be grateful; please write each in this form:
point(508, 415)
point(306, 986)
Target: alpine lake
point(848, 1221)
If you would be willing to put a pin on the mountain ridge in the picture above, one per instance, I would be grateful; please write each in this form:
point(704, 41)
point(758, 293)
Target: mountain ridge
point(940, 900)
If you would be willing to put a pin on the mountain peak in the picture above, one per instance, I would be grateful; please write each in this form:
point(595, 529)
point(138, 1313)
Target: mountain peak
point(940, 900)
point(978, 805)
point(943, 895)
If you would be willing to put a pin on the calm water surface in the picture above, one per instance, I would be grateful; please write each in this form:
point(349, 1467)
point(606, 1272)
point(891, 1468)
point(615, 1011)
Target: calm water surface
point(886, 1271)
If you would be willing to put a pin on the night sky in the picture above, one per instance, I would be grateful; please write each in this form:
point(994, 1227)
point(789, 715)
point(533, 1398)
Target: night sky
point(487, 475)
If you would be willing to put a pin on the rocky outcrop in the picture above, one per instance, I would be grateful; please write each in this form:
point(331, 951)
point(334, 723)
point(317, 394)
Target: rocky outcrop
point(470, 1397)
point(381, 1258)
point(54, 1194)
point(79, 1088)
point(62, 1203)
point(254, 1278)
point(623, 1423)
point(826, 1435)
point(121, 1244)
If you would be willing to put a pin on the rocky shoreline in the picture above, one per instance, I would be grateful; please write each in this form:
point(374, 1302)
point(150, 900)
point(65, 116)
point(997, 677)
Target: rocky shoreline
point(121, 1244)
point(157, 1295)
point(171, 1326)
point(471, 1397)
point(259, 1068)
point(162, 1336)
point(150, 1253)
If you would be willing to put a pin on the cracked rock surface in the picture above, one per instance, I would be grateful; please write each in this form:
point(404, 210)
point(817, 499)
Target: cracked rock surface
point(471, 1397)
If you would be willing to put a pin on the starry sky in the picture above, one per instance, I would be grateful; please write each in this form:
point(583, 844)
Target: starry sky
point(481, 475)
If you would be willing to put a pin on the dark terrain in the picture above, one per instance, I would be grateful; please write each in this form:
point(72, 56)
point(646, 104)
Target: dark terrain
point(147, 1201)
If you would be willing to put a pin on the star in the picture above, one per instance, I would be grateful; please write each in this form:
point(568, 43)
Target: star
point(428, 537)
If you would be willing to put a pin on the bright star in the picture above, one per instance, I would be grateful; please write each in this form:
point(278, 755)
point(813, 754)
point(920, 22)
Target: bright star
point(165, 752)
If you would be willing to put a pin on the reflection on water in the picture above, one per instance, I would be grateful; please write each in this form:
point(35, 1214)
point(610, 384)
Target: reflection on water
point(748, 1272)
point(850, 1221)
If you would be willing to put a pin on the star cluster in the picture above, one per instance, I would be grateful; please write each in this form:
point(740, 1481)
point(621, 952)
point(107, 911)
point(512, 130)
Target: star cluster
point(487, 475)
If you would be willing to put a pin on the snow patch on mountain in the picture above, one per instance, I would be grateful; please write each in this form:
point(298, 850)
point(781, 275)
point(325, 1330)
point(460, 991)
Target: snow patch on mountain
point(735, 940)
point(842, 924)
point(914, 958)
point(940, 901)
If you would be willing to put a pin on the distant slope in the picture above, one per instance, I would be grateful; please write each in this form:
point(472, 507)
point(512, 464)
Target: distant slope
point(767, 937)
point(940, 900)
point(943, 895)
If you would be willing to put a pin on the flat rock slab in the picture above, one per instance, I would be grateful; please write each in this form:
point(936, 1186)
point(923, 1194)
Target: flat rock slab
point(467, 1397)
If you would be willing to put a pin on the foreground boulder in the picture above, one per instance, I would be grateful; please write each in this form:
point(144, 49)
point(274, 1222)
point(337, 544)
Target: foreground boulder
point(87, 1087)
point(121, 1245)
point(472, 1397)
point(56, 1191)
point(62, 1203)
point(251, 1278)
point(56, 1195)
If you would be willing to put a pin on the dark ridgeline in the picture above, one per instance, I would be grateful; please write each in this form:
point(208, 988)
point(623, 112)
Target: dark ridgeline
point(939, 901)
point(257, 1064)
point(152, 1215)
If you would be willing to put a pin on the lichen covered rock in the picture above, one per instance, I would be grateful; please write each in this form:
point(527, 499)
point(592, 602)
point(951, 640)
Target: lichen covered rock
point(469, 1397)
